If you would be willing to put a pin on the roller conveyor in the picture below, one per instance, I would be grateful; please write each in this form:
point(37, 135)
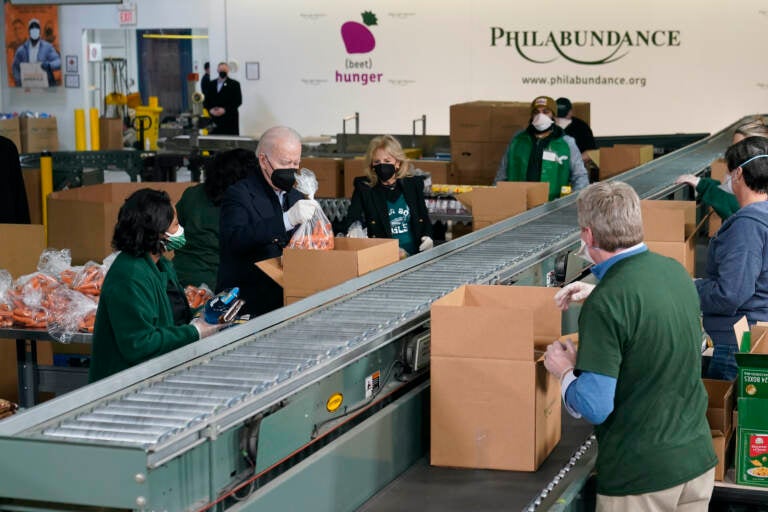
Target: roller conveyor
point(166, 408)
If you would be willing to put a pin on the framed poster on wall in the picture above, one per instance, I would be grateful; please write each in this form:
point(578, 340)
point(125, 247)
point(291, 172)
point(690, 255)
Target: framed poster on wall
point(32, 38)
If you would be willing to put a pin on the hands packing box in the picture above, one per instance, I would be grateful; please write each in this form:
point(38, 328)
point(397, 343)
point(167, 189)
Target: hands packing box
point(39, 135)
point(493, 204)
point(669, 228)
point(83, 219)
point(623, 157)
point(493, 404)
point(329, 173)
point(303, 272)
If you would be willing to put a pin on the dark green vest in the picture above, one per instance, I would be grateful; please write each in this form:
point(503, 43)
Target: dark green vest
point(555, 171)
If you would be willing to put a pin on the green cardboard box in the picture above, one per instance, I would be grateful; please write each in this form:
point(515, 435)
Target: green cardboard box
point(753, 375)
point(752, 443)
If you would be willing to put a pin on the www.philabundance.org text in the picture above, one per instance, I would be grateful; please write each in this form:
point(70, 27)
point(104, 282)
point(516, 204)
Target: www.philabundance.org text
point(584, 79)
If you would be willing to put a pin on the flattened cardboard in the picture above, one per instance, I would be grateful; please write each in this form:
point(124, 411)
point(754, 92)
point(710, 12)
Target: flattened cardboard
point(482, 360)
point(83, 219)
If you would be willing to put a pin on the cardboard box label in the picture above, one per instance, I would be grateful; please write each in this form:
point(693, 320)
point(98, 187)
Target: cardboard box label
point(752, 458)
point(753, 382)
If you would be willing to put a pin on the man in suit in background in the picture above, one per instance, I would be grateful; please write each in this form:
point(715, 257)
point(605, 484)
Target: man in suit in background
point(222, 99)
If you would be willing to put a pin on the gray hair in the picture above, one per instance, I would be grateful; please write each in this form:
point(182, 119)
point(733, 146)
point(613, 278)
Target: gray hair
point(276, 135)
point(611, 209)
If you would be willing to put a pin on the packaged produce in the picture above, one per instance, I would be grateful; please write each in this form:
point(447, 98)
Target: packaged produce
point(316, 234)
point(6, 316)
point(69, 312)
point(197, 297)
point(90, 279)
point(54, 261)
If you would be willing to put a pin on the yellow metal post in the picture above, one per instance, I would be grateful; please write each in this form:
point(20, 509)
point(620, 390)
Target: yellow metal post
point(95, 141)
point(80, 129)
point(46, 186)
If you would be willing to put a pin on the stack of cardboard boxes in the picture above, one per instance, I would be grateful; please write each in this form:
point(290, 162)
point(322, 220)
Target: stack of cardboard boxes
point(31, 135)
point(669, 228)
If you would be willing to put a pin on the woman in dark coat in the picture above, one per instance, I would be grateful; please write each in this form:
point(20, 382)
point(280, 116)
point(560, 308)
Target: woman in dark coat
point(389, 202)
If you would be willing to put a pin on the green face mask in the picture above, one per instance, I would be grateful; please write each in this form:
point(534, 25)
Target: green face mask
point(176, 240)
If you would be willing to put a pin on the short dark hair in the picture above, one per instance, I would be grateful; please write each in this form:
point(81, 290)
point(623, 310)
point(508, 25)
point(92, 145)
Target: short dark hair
point(143, 219)
point(207, 66)
point(227, 168)
point(755, 172)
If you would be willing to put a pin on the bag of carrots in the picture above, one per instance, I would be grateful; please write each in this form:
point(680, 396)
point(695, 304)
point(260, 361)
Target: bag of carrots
point(54, 261)
point(89, 280)
point(69, 312)
point(6, 315)
point(30, 299)
point(317, 234)
point(197, 297)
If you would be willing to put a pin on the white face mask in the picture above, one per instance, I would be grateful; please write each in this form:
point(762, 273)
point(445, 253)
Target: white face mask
point(34, 34)
point(562, 122)
point(541, 122)
point(727, 184)
point(583, 253)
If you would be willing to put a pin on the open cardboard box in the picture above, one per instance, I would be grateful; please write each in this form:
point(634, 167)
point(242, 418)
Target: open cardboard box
point(720, 418)
point(303, 272)
point(493, 404)
point(508, 198)
point(669, 228)
point(83, 219)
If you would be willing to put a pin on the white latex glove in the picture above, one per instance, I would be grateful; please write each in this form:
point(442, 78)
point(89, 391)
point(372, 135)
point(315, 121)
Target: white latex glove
point(403, 254)
point(560, 358)
point(204, 328)
point(574, 292)
point(690, 179)
point(302, 211)
point(426, 243)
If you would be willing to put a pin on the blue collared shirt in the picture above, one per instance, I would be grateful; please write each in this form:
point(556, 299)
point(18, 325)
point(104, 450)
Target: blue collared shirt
point(591, 394)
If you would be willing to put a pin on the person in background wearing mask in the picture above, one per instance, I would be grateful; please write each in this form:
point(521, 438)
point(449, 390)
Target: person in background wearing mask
point(199, 210)
point(205, 81)
point(35, 49)
point(543, 152)
point(143, 312)
point(720, 195)
point(736, 274)
point(636, 374)
point(389, 202)
point(258, 217)
point(222, 99)
point(581, 133)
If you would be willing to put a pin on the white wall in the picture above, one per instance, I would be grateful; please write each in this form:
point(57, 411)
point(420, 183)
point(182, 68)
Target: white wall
point(433, 53)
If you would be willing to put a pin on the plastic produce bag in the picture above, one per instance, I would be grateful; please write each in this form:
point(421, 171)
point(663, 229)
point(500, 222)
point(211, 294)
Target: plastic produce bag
point(317, 234)
point(90, 279)
point(6, 282)
point(69, 312)
point(197, 297)
point(30, 300)
point(54, 261)
point(356, 230)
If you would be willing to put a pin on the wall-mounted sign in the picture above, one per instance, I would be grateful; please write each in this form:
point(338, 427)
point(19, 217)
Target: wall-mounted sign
point(127, 14)
point(94, 52)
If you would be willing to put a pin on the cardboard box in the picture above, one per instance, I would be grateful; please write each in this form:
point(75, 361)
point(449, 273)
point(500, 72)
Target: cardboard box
point(670, 229)
point(493, 204)
point(11, 129)
point(329, 173)
point(493, 404)
point(439, 170)
point(720, 406)
point(488, 121)
point(110, 133)
point(718, 170)
point(302, 272)
point(34, 196)
point(623, 157)
point(722, 445)
point(582, 110)
point(39, 135)
point(353, 168)
point(83, 219)
point(752, 443)
point(476, 163)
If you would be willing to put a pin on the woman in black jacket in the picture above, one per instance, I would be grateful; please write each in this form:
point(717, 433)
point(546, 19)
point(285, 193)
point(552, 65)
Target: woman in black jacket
point(389, 202)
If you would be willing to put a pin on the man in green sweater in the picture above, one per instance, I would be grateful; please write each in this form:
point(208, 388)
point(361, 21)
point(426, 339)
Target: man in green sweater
point(636, 374)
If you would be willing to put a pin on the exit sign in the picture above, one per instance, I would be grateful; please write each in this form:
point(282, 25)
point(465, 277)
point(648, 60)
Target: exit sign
point(127, 15)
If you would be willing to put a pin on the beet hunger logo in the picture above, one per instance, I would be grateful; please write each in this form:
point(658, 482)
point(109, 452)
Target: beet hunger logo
point(358, 39)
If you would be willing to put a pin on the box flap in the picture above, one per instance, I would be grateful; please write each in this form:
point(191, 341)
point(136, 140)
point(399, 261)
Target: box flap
point(740, 328)
point(273, 267)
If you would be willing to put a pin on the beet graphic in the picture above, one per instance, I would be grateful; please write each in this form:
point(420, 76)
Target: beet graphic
point(357, 37)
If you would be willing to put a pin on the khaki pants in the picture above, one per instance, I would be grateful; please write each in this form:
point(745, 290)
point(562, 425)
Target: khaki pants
point(692, 496)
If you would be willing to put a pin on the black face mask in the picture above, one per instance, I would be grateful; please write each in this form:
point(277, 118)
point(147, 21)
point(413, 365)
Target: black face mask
point(284, 179)
point(384, 171)
point(222, 74)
